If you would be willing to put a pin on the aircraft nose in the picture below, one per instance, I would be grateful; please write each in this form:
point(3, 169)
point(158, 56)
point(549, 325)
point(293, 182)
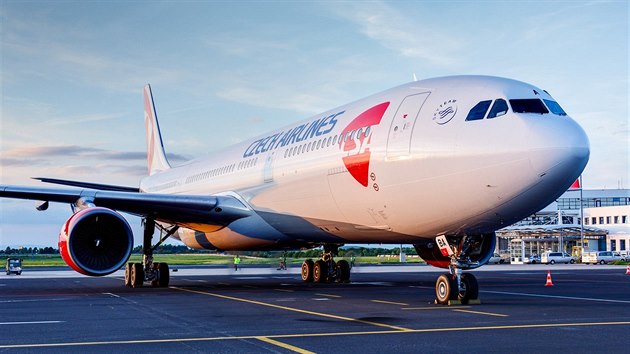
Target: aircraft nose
point(559, 150)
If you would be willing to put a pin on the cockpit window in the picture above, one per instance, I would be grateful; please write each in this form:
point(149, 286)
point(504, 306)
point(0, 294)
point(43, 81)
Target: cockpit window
point(530, 105)
point(479, 110)
point(499, 108)
point(555, 108)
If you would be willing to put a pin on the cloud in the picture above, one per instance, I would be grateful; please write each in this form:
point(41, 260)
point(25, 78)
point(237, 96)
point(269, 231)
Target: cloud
point(395, 31)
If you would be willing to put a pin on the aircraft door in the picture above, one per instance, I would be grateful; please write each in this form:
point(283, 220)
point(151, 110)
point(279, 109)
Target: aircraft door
point(399, 139)
point(268, 169)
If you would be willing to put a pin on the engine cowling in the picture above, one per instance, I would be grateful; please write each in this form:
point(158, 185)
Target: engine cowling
point(95, 241)
point(478, 253)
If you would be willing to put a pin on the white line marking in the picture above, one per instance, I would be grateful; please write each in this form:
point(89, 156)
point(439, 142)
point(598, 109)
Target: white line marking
point(34, 300)
point(557, 297)
point(32, 322)
point(110, 294)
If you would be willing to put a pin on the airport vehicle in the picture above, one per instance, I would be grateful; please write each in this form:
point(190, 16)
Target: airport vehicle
point(496, 259)
point(556, 257)
point(533, 259)
point(601, 257)
point(439, 163)
point(620, 256)
point(13, 266)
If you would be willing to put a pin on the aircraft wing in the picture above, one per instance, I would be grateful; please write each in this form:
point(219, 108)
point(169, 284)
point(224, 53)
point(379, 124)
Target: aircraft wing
point(173, 208)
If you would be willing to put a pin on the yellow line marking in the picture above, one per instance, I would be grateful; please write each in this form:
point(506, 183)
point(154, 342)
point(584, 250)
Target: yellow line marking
point(390, 302)
point(285, 290)
point(294, 309)
point(436, 308)
point(284, 345)
point(329, 295)
point(483, 313)
point(302, 335)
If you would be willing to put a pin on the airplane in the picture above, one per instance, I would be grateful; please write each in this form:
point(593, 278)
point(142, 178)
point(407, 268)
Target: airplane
point(440, 163)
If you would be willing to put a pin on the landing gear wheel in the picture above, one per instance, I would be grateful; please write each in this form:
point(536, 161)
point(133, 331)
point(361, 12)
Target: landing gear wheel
point(468, 289)
point(155, 281)
point(445, 289)
point(307, 271)
point(128, 275)
point(343, 271)
point(320, 271)
point(163, 275)
point(137, 275)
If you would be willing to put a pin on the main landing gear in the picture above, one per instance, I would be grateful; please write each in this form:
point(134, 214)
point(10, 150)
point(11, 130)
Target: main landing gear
point(147, 271)
point(326, 269)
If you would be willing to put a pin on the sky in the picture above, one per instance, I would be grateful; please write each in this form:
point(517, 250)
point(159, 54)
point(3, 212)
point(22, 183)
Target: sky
point(72, 74)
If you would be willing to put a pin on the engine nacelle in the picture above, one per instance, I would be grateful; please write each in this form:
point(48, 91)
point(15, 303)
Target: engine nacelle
point(96, 241)
point(477, 254)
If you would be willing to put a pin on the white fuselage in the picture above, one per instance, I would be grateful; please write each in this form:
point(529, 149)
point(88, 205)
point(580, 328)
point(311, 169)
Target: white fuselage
point(395, 167)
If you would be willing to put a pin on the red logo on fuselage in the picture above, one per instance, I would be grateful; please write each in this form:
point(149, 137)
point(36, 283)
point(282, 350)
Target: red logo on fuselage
point(355, 140)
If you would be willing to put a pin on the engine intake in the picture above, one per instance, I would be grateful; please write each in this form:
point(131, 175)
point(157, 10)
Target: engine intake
point(96, 241)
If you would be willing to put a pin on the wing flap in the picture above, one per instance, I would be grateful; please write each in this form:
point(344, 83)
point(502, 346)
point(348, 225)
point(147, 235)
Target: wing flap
point(99, 186)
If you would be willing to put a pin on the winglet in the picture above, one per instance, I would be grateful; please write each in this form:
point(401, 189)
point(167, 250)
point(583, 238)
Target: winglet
point(156, 157)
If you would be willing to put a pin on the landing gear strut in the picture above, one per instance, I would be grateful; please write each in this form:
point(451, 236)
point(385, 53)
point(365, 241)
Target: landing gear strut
point(326, 269)
point(147, 271)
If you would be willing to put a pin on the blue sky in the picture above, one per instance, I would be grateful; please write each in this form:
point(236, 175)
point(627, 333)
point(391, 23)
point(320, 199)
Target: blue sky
point(222, 71)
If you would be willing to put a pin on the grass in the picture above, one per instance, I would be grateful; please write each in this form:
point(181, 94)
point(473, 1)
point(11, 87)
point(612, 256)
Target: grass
point(45, 260)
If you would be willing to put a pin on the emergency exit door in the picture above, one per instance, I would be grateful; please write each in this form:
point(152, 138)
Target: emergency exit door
point(399, 140)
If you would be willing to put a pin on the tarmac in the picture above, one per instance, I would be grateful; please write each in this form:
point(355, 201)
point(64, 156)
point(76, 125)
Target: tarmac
point(259, 309)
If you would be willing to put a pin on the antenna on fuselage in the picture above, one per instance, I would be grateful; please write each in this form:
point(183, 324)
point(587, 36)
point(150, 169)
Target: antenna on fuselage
point(414, 77)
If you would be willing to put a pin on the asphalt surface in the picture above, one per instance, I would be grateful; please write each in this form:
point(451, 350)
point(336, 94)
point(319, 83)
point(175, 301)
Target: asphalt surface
point(259, 310)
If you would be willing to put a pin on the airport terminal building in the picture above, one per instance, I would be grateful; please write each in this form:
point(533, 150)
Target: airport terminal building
point(604, 225)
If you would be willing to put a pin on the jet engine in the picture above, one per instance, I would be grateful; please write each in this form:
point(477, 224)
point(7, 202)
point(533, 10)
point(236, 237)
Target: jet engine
point(472, 251)
point(96, 241)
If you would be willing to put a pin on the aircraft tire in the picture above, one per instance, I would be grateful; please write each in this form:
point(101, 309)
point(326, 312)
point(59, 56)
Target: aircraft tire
point(137, 275)
point(163, 275)
point(469, 289)
point(320, 271)
point(307, 271)
point(343, 271)
point(445, 289)
point(128, 275)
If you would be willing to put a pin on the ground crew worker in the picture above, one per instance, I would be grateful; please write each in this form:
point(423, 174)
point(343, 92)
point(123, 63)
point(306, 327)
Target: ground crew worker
point(237, 261)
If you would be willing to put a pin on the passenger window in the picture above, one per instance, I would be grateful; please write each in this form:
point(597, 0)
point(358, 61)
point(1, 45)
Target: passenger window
point(532, 105)
point(555, 108)
point(367, 131)
point(479, 110)
point(499, 108)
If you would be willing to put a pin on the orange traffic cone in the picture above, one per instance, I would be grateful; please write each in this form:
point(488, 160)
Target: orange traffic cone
point(548, 283)
point(628, 270)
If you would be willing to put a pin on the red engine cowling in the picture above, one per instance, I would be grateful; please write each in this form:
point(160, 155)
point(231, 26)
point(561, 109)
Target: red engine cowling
point(96, 241)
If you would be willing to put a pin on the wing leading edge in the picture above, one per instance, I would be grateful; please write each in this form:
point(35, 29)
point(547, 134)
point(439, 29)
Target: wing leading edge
point(175, 209)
